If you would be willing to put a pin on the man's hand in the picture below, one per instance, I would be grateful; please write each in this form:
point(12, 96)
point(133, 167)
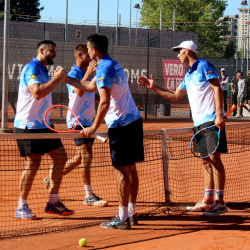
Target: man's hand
point(60, 74)
point(147, 83)
point(92, 67)
point(88, 132)
point(220, 122)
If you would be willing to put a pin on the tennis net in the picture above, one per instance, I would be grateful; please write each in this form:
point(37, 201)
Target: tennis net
point(169, 175)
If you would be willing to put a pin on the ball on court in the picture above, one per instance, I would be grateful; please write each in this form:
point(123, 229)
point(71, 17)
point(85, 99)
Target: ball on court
point(82, 242)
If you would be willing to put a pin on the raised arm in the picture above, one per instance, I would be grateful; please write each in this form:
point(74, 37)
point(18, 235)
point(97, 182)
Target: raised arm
point(90, 71)
point(41, 90)
point(167, 94)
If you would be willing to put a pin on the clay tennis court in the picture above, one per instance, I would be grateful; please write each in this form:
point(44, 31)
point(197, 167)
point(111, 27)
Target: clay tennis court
point(161, 226)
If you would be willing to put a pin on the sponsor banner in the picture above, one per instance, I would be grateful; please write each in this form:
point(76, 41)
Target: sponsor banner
point(173, 72)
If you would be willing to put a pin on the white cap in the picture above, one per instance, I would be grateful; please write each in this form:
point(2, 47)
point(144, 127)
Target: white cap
point(186, 45)
point(223, 69)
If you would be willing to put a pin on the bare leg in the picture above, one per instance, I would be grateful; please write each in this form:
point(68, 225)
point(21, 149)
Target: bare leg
point(32, 162)
point(134, 183)
point(87, 155)
point(123, 184)
point(73, 162)
point(219, 173)
point(208, 179)
point(59, 157)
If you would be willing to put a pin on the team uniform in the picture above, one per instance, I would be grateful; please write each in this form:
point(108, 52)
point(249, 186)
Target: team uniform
point(123, 118)
point(84, 107)
point(202, 97)
point(29, 117)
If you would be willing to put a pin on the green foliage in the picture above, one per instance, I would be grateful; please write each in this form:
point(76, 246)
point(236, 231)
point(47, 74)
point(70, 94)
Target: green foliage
point(24, 10)
point(193, 15)
point(230, 48)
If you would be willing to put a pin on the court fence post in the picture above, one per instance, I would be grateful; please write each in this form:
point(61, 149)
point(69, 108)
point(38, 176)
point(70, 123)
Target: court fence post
point(165, 163)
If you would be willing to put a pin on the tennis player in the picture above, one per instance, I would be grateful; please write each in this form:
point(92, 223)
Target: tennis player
point(125, 129)
point(34, 98)
point(83, 104)
point(205, 96)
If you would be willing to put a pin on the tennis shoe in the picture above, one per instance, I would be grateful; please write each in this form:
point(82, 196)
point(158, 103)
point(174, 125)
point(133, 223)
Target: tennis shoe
point(24, 213)
point(238, 116)
point(95, 201)
point(47, 181)
point(134, 220)
point(58, 208)
point(199, 207)
point(216, 209)
point(116, 223)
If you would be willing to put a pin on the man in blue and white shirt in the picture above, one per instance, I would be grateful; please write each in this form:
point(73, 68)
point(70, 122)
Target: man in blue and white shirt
point(34, 98)
point(124, 122)
point(205, 96)
point(83, 105)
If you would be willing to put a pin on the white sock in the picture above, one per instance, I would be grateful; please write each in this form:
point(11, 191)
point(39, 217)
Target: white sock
point(123, 212)
point(53, 198)
point(21, 202)
point(131, 209)
point(88, 190)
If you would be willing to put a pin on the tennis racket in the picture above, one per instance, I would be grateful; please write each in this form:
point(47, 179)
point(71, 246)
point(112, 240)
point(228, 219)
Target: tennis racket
point(206, 141)
point(57, 115)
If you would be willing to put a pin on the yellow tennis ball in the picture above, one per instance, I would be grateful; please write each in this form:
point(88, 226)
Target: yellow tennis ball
point(82, 242)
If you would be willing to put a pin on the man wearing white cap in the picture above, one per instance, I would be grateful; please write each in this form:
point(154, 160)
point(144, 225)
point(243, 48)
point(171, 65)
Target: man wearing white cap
point(202, 86)
point(224, 80)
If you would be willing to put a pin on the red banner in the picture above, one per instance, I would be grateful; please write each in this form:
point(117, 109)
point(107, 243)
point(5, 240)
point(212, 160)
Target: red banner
point(173, 72)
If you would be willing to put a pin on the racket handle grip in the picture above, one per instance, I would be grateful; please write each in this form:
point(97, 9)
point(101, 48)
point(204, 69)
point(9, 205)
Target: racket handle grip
point(102, 139)
point(230, 111)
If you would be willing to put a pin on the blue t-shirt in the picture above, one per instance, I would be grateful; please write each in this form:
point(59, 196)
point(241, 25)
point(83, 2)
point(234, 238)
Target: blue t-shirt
point(200, 94)
point(122, 109)
point(84, 106)
point(29, 110)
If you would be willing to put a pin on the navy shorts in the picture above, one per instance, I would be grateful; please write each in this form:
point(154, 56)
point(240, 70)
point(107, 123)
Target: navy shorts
point(36, 146)
point(222, 148)
point(81, 141)
point(126, 144)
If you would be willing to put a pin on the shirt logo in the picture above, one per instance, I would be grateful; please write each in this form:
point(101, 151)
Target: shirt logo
point(101, 79)
point(34, 76)
point(209, 72)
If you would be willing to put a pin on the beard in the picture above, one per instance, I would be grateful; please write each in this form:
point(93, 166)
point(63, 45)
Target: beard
point(49, 61)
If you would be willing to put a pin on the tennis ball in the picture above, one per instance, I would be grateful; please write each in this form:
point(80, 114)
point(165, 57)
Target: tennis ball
point(82, 242)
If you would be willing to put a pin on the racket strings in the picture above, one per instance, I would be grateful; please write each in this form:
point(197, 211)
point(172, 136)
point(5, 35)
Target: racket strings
point(58, 118)
point(205, 143)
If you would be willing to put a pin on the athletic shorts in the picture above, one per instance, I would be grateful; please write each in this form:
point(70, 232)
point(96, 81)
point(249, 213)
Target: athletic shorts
point(126, 144)
point(222, 148)
point(241, 99)
point(81, 141)
point(36, 146)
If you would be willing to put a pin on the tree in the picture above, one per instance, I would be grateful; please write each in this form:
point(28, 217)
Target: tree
point(199, 16)
point(25, 10)
point(230, 48)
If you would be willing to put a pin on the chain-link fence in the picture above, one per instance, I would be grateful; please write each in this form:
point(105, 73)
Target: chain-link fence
point(139, 51)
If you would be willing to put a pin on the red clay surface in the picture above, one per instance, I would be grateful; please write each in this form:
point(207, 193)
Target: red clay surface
point(174, 231)
point(191, 231)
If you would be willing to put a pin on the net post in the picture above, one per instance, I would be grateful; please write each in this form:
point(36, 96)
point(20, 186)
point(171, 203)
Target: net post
point(165, 159)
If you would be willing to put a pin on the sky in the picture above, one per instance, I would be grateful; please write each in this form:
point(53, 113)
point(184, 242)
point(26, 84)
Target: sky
point(85, 11)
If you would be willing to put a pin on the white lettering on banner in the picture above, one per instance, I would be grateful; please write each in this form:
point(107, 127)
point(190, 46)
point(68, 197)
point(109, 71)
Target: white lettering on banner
point(12, 69)
point(20, 66)
point(132, 74)
point(174, 69)
point(174, 72)
point(11, 73)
